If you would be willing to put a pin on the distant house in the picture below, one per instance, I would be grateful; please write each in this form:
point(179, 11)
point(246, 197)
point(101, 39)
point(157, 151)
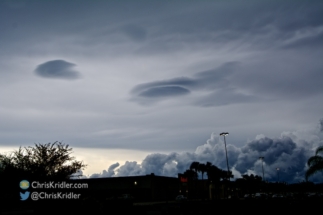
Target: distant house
point(141, 188)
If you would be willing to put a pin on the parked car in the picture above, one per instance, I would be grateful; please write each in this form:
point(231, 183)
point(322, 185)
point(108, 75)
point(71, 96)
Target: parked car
point(277, 196)
point(180, 198)
point(126, 196)
point(260, 196)
point(247, 196)
point(289, 196)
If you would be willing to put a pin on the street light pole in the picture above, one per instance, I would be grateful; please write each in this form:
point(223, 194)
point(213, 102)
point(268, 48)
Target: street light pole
point(277, 173)
point(226, 153)
point(263, 172)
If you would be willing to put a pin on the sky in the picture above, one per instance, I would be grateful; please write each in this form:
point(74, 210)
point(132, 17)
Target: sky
point(136, 87)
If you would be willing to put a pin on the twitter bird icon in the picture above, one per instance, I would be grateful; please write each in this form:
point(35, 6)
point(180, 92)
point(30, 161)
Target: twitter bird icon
point(24, 196)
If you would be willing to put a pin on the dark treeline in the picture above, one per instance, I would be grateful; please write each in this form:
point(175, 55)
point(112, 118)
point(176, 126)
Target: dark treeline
point(53, 162)
point(225, 186)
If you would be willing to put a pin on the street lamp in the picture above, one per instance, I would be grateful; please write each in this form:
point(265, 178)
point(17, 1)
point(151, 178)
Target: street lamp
point(262, 163)
point(277, 173)
point(226, 153)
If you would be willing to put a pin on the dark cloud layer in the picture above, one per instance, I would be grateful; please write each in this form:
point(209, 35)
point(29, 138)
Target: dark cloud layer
point(289, 155)
point(210, 79)
point(215, 81)
point(135, 32)
point(57, 69)
point(164, 91)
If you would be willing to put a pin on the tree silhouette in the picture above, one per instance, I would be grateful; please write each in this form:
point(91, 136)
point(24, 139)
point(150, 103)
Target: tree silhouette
point(208, 165)
point(212, 171)
point(190, 174)
point(216, 174)
point(194, 166)
point(250, 183)
point(252, 178)
point(315, 163)
point(202, 168)
point(50, 160)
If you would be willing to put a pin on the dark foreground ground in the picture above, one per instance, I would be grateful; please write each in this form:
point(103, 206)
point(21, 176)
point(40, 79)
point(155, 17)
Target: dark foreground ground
point(241, 207)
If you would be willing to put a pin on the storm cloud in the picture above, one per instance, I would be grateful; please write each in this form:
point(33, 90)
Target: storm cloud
point(288, 152)
point(57, 69)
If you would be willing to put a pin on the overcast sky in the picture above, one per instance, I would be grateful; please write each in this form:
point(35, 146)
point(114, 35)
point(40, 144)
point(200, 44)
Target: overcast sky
point(122, 80)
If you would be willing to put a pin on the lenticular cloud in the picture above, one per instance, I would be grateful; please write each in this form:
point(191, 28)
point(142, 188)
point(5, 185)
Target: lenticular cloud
point(57, 69)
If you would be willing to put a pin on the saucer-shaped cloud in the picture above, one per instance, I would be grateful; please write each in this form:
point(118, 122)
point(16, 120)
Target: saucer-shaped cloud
point(216, 82)
point(164, 91)
point(57, 69)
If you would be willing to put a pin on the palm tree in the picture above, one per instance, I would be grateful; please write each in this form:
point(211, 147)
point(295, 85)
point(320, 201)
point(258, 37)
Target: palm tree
point(207, 167)
point(315, 163)
point(202, 168)
point(190, 174)
point(214, 173)
point(194, 166)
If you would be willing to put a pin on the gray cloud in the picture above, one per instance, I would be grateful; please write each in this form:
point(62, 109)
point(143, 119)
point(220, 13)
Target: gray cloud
point(173, 24)
point(181, 81)
point(215, 81)
point(109, 173)
point(287, 152)
point(277, 86)
point(310, 41)
point(130, 168)
point(78, 175)
point(225, 97)
point(57, 69)
point(135, 32)
point(164, 91)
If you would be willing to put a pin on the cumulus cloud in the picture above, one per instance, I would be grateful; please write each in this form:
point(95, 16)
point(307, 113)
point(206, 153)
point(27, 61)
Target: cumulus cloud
point(57, 69)
point(289, 153)
point(78, 175)
point(105, 173)
point(130, 168)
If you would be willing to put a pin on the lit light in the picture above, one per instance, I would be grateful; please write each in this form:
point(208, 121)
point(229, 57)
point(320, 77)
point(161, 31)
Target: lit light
point(224, 134)
point(135, 183)
point(226, 153)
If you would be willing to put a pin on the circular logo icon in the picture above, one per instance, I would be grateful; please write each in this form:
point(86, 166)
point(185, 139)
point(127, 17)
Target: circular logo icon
point(24, 184)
